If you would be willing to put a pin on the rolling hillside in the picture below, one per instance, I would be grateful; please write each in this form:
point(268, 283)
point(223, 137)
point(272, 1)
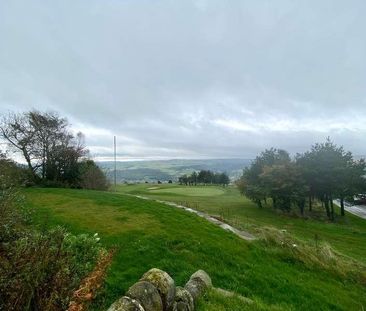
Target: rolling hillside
point(152, 171)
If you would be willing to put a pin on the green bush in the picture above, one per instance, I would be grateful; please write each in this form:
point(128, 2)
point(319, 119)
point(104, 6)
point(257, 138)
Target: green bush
point(39, 270)
point(13, 216)
point(11, 174)
point(91, 176)
point(83, 250)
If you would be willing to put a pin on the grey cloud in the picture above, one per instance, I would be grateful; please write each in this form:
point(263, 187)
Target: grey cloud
point(162, 74)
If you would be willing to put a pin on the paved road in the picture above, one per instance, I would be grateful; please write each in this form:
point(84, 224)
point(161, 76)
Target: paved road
point(358, 210)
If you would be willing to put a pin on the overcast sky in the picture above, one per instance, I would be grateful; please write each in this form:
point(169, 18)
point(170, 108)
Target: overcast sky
point(190, 79)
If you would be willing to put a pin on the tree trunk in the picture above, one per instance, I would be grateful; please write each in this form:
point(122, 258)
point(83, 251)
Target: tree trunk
point(310, 203)
point(326, 205)
point(302, 206)
point(29, 163)
point(342, 206)
point(331, 207)
point(43, 165)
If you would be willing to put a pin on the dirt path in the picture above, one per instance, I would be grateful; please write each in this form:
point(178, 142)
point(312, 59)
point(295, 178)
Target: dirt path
point(242, 234)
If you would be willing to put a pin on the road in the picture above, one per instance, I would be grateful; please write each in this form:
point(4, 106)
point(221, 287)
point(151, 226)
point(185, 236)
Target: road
point(358, 210)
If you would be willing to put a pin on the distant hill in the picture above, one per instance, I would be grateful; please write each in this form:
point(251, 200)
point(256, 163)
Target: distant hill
point(163, 170)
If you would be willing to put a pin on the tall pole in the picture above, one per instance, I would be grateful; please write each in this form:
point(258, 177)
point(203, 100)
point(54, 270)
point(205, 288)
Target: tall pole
point(115, 165)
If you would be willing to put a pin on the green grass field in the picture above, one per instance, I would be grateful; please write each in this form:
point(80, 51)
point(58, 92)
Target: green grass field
point(347, 235)
point(147, 234)
point(188, 191)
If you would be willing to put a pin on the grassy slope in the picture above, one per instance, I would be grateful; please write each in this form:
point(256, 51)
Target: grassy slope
point(347, 235)
point(147, 234)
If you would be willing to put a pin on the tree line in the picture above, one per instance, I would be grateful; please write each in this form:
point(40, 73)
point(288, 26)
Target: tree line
point(322, 174)
point(205, 177)
point(54, 156)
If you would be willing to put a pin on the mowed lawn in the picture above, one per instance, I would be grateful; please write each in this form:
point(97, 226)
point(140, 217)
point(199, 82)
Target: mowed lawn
point(188, 191)
point(347, 235)
point(147, 234)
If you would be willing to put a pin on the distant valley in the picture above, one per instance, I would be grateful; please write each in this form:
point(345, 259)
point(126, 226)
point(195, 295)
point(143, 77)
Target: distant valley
point(164, 170)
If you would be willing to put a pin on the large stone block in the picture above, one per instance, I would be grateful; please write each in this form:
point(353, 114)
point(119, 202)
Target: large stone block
point(147, 295)
point(183, 300)
point(164, 284)
point(198, 284)
point(126, 304)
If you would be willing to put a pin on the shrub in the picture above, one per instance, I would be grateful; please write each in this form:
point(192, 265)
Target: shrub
point(10, 173)
point(39, 270)
point(92, 177)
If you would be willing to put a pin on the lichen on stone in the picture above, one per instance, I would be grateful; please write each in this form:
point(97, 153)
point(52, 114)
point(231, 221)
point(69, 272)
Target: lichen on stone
point(164, 284)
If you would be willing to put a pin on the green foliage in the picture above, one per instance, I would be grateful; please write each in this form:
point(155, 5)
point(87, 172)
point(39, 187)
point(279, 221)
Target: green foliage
point(204, 177)
point(10, 173)
point(46, 144)
point(284, 184)
point(252, 185)
point(13, 215)
point(91, 176)
point(325, 172)
point(39, 269)
point(331, 172)
point(82, 251)
point(54, 156)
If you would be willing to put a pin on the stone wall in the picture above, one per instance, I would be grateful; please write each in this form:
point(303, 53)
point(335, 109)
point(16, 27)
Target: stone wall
point(156, 291)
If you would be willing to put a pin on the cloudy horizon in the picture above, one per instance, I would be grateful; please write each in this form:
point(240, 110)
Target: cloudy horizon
point(190, 79)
